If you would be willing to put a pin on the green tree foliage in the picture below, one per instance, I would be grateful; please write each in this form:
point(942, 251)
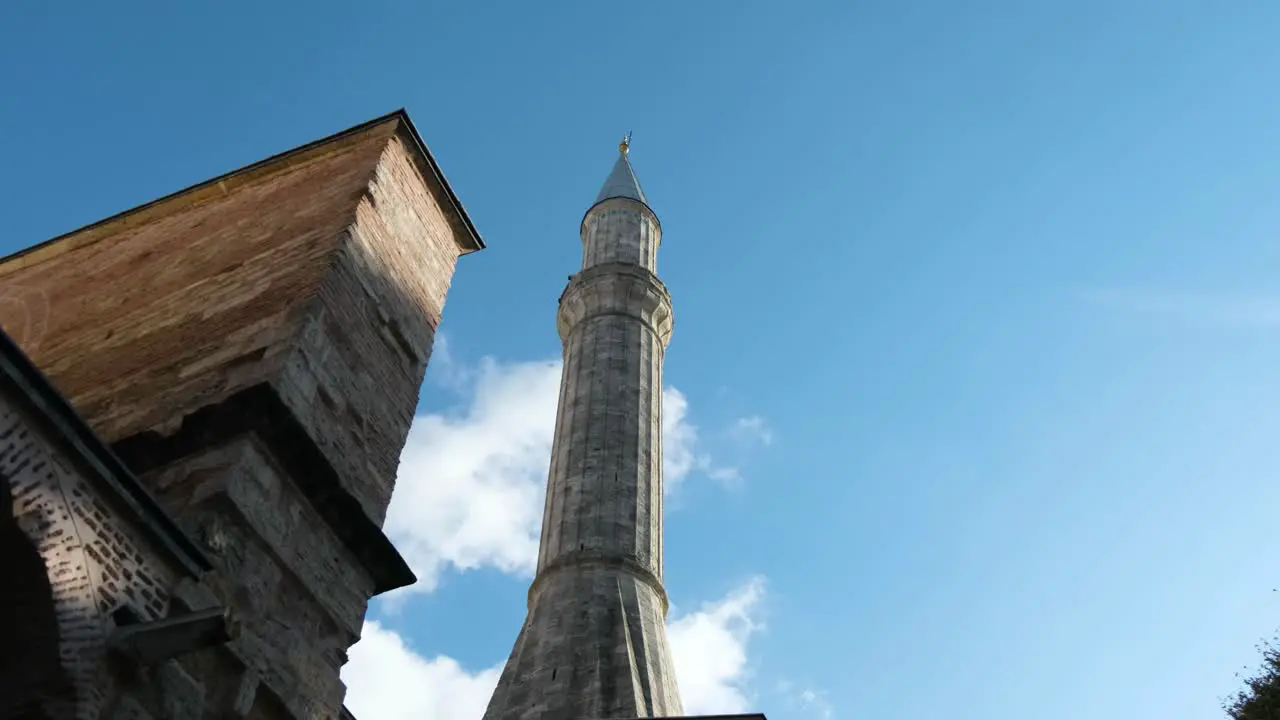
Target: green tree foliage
point(1260, 697)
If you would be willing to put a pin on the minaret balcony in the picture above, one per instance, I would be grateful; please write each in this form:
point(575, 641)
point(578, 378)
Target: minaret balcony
point(616, 289)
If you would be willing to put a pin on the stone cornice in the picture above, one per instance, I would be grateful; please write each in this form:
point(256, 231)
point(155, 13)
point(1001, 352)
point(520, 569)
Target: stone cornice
point(616, 289)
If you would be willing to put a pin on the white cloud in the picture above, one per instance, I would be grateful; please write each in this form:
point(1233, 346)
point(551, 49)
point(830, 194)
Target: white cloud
point(709, 649)
point(469, 491)
point(470, 488)
point(752, 428)
point(811, 702)
point(388, 680)
point(682, 452)
point(816, 702)
point(446, 371)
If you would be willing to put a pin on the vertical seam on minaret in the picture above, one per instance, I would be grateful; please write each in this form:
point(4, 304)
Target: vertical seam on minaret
point(576, 455)
point(601, 428)
point(617, 433)
point(646, 358)
point(661, 484)
point(654, 431)
point(553, 506)
point(637, 660)
point(555, 475)
point(577, 446)
point(606, 387)
point(630, 419)
point(630, 445)
point(549, 502)
point(619, 420)
point(593, 244)
point(655, 240)
point(646, 244)
point(642, 242)
point(590, 369)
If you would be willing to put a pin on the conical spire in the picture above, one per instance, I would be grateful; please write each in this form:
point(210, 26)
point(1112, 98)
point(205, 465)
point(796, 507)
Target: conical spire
point(622, 180)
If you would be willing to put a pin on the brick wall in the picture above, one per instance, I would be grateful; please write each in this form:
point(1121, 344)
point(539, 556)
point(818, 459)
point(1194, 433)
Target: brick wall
point(317, 278)
point(354, 382)
point(298, 595)
point(96, 562)
point(154, 315)
point(323, 273)
point(301, 595)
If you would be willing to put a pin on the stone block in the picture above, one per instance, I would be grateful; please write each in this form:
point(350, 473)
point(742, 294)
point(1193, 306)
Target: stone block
point(181, 696)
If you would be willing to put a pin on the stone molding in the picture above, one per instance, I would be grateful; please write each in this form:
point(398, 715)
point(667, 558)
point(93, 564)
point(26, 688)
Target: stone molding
point(592, 560)
point(616, 289)
point(620, 203)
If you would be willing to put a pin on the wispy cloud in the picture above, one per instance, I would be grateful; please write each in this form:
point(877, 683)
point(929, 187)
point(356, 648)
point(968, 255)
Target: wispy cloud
point(446, 370)
point(1213, 310)
point(682, 450)
point(752, 429)
point(809, 701)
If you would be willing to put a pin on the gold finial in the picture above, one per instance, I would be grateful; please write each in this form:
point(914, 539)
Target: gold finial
point(624, 147)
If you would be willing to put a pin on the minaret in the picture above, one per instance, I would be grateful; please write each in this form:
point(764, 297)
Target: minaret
point(594, 644)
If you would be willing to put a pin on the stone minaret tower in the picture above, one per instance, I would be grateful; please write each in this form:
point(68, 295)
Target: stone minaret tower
point(594, 645)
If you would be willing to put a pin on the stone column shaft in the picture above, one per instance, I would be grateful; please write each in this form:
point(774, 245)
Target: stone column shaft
point(594, 644)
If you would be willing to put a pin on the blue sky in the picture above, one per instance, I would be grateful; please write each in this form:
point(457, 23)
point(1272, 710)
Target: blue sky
point(1001, 281)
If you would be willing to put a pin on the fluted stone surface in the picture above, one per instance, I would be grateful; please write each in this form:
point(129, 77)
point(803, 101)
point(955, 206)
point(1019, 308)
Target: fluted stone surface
point(594, 643)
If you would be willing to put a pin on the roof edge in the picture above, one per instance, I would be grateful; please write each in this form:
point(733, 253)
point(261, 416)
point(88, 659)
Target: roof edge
point(103, 467)
point(400, 115)
point(437, 174)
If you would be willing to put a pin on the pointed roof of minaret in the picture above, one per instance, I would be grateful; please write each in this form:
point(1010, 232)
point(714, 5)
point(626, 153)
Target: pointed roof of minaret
point(622, 180)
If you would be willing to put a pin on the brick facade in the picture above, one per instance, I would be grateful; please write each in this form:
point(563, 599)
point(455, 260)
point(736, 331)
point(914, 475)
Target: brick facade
point(251, 348)
point(98, 547)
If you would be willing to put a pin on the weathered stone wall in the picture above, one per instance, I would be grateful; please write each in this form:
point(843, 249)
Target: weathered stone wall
point(594, 646)
point(604, 488)
point(594, 643)
point(300, 595)
point(354, 381)
point(308, 287)
point(621, 230)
